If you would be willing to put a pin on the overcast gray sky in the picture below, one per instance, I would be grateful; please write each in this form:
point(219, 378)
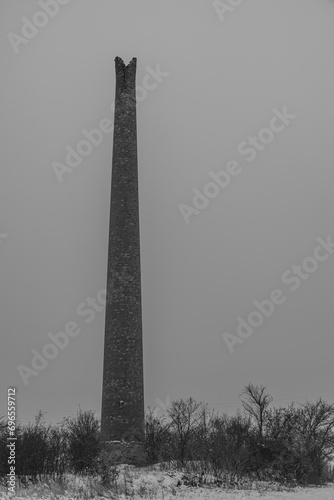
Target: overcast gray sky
point(244, 92)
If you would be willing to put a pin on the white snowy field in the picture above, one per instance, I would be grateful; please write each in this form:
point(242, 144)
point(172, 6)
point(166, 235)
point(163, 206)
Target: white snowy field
point(156, 484)
point(159, 482)
point(323, 493)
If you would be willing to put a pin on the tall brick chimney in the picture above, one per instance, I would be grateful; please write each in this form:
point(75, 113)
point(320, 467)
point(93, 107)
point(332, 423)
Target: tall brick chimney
point(122, 418)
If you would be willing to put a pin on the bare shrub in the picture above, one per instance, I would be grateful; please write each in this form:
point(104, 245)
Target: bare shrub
point(83, 438)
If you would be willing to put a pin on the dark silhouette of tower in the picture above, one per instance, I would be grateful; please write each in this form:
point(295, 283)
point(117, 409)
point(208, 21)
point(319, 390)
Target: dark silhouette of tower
point(122, 417)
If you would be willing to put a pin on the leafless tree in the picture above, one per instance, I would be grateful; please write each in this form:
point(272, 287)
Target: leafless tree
point(256, 405)
point(316, 435)
point(184, 416)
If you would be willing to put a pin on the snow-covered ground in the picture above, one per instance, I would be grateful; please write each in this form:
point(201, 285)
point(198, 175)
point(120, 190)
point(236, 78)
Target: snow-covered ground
point(185, 493)
point(155, 483)
point(326, 493)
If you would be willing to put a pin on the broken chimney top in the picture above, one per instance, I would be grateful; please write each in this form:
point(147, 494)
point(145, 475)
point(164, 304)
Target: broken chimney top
point(125, 76)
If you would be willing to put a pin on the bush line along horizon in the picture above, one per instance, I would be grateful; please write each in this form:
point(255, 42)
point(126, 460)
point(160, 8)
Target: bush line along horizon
point(290, 445)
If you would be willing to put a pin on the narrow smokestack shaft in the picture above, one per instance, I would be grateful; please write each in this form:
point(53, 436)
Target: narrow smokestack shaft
point(123, 388)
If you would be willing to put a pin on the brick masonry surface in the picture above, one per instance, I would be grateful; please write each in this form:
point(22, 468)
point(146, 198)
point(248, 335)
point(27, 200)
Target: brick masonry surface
point(122, 415)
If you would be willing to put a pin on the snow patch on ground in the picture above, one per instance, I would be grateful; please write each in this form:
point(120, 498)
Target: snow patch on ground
point(157, 483)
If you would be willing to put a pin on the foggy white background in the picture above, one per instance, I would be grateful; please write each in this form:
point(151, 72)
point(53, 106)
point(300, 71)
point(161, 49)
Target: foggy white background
point(224, 79)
